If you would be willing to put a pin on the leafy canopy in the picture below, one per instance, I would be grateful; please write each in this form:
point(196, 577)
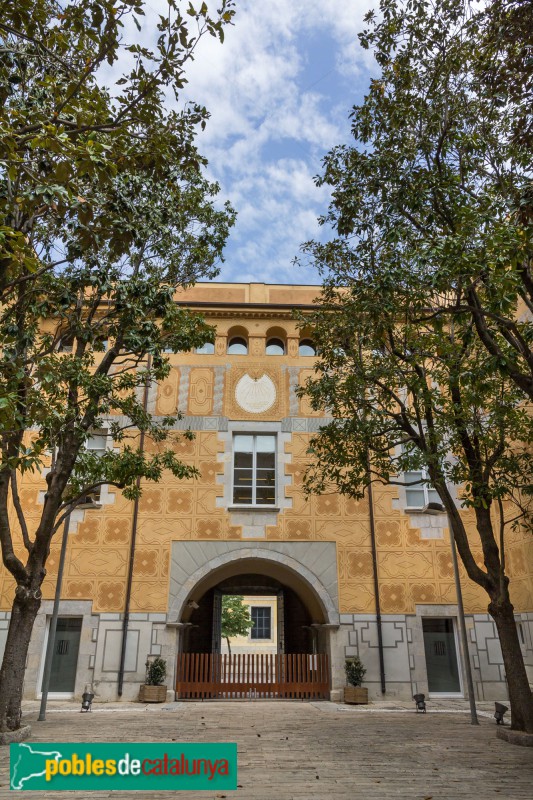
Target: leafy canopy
point(422, 205)
point(236, 620)
point(438, 183)
point(424, 328)
point(105, 216)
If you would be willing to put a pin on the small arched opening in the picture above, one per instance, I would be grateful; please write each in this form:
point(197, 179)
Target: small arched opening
point(237, 341)
point(276, 342)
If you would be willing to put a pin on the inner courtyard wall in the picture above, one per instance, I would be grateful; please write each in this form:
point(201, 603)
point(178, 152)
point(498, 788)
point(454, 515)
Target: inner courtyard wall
point(413, 550)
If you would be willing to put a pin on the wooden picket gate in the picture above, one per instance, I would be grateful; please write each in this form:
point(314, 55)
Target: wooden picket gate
point(252, 675)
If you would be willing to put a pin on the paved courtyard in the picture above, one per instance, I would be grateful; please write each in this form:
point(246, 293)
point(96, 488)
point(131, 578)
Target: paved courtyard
point(312, 750)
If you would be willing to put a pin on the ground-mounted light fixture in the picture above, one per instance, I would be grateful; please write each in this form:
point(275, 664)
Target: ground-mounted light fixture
point(499, 711)
point(87, 700)
point(420, 700)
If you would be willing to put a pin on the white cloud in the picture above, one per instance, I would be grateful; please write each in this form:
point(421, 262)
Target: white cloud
point(273, 90)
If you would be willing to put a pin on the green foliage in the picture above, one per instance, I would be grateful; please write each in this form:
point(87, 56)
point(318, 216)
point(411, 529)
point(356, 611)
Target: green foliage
point(156, 672)
point(105, 217)
point(355, 672)
point(77, 156)
point(439, 181)
point(236, 620)
point(428, 271)
point(423, 328)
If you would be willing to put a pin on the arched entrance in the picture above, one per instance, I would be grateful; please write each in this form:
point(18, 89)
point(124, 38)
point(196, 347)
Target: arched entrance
point(306, 612)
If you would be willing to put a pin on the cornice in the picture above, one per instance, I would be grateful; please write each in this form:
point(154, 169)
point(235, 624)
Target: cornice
point(247, 310)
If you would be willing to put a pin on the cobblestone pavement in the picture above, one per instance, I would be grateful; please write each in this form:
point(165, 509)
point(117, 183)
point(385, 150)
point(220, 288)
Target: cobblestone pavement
point(303, 750)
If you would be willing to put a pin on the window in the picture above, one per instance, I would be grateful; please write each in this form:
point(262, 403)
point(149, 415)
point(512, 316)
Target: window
point(275, 347)
point(206, 349)
point(101, 345)
point(260, 616)
point(307, 348)
point(418, 496)
point(237, 346)
point(96, 444)
point(254, 470)
point(66, 343)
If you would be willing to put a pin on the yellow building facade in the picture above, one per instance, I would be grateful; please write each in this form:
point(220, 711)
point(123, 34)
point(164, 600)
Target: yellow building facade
point(245, 526)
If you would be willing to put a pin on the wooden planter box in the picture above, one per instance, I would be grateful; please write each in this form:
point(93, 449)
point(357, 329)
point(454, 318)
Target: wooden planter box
point(357, 695)
point(152, 694)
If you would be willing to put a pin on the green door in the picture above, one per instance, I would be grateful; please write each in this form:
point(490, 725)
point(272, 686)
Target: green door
point(65, 658)
point(441, 656)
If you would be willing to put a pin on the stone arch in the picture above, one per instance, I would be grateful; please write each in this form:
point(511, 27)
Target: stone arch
point(319, 594)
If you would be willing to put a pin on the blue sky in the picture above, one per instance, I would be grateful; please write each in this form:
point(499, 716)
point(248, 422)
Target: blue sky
point(279, 90)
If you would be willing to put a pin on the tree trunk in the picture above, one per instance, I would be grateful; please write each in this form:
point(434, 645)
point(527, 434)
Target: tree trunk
point(23, 616)
point(229, 646)
point(520, 695)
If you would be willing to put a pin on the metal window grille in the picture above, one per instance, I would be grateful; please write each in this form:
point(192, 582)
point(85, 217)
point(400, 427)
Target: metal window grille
point(62, 647)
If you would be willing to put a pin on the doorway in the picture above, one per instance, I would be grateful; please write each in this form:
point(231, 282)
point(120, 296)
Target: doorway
point(286, 658)
point(65, 657)
point(440, 647)
point(292, 632)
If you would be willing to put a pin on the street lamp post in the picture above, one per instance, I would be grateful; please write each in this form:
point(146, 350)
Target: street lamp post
point(462, 630)
point(53, 621)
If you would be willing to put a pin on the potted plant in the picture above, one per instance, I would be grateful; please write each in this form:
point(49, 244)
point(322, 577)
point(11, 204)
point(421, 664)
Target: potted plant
point(153, 690)
point(355, 672)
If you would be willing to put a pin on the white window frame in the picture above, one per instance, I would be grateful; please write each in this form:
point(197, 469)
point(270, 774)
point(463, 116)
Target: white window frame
point(425, 487)
point(97, 434)
point(253, 503)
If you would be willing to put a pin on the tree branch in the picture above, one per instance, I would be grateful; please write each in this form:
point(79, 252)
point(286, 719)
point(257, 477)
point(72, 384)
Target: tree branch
point(28, 544)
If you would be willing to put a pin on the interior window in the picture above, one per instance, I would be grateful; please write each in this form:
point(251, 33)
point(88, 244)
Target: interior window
point(96, 444)
point(66, 343)
point(261, 617)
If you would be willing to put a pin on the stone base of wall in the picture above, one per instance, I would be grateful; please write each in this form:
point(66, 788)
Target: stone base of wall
point(403, 645)
point(404, 656)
